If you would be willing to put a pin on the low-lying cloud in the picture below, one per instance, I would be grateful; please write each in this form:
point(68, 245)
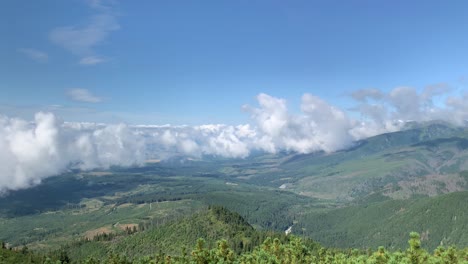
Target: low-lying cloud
point(32, 151)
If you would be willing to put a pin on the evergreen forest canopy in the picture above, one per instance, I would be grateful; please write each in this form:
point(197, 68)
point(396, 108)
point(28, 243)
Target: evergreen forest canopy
point(243, 245)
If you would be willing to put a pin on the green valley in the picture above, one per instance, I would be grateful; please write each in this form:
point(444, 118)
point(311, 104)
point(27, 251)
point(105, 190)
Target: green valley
point(372, 194)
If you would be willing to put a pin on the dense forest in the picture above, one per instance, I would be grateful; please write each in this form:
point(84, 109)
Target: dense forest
point(223, 237)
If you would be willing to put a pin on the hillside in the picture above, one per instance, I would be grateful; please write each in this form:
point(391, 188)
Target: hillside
point(425, 159)
point(212, 224)
point(152, 246)
point(441, 220)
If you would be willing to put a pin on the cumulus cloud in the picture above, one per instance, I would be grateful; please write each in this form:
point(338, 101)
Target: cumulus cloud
point(83, 95)
point(82, 40)
point(407, 104)
point(34, 54)
point(196, 141)
point(437, 89)
point(320, 127)
point(457, 109)
point(31, 151)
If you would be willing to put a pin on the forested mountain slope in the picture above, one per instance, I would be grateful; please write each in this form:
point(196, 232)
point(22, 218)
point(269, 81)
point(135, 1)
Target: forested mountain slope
point(441, 220)
point(425, 159)
point(149, 247)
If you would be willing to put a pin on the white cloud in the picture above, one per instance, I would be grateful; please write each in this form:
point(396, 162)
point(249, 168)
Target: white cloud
point(82, 40)
point(320, 127)
point(34, 54)
point(407, 104)
point(91, 60)
point(32, 151)
point(83, 95)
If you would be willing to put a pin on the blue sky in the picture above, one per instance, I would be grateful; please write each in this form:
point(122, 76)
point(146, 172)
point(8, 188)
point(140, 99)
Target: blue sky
point(197, 62)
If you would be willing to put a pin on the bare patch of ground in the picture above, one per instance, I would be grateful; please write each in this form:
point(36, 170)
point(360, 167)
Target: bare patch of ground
point(126, 226)
point(90, 234)
point(124, 205)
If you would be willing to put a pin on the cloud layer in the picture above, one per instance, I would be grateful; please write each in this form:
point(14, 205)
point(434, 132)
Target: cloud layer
point(31, 151)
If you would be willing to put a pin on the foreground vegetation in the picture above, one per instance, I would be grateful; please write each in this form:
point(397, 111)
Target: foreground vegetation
point(223, 237)
point(274, 251)
point(270, 251)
